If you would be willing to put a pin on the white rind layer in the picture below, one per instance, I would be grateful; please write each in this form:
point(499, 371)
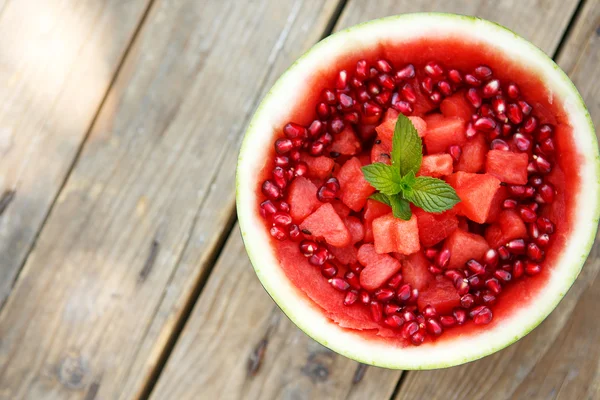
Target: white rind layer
point(461, 349)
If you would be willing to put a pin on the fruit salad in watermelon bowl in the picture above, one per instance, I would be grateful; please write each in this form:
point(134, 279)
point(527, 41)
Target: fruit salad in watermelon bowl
point(419, 191)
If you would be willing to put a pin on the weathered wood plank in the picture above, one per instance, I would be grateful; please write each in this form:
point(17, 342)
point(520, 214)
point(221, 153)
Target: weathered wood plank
point(560, 359)
point(133, 231)
point(187, 377)
point(58, 60)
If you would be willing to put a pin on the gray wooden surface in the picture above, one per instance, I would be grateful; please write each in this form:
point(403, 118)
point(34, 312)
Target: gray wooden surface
point(122, 273)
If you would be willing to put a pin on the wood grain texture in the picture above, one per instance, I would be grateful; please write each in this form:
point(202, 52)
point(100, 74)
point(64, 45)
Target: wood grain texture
point(133, 231)
point(561, 358)
point(185, 373)
point(238, 344)
point(57, 61)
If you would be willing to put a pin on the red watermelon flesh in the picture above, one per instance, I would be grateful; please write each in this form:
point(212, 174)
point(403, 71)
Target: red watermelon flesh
point(423, 104)
point(507, 166)
point(440, 294)
point(433, 228)
point(346, 142)
point(476, 192)
point(302, 198)
point(436, 165)
point(385, 130)
point(355, 190)
point(380, 153)
point(415, 271)
point(392, 234)
point(373, 209)
point(340, 208)
point(473, 154)
point(318, 167)
point(345, 255)
point(356, 229)
point(325, 223)
point(465, 246)
point(509, 226)
point(443, 133)
point(496, 206)
point(457, 106)
point(379, 268)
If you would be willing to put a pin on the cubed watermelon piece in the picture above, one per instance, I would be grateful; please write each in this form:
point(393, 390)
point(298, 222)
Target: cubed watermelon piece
point(423, 104)
point(345, 255)
point(508, 166)
point(380, 152)
point(325, 223)
point(318, 167)
point(346, 142)
point(473, 154)
point(379, 268)
point(392, 234)
point(465, 246)
point(302, 198)
point(443, 133)
point(476, 192)
point(373, 209)
point(385, 130)
point(365, 159)
point(463, 223)
point(419, 124)
point(356, 229)
point(496, 206)
point(340, 208)
point(355, 190)
point(436, 165)
point(457, 106)
point(509, 226)
point(415, 271)
point(440, 294)
point(433, 228)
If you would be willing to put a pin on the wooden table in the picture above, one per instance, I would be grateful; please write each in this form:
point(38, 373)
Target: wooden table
point(122, 272)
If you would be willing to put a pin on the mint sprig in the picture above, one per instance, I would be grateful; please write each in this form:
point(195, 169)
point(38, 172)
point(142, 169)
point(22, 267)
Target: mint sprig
point(398, 184)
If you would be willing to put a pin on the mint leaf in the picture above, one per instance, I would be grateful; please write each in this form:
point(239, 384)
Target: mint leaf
point(400, 207)
point(383, 177)
point(407, 149)
point(380, 197)
point(431, 194)
point(407, 181)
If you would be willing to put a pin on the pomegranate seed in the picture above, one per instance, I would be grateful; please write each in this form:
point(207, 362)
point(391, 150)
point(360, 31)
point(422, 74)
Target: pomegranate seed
point(483, 72)
point(283, 145)
point(517, 269)
point(475, 267)
point(499, 144)
point(491, 88)
point(345, 101)
point(502, 275)
point(395, 281)
point(386, 81)
point(352, 279)
point(525, 107)
point(547, 146)
point(436, 97)
point(499, 105)
point(509, 204)
point(408, 72)
point(384, 294)
point(404, 293)
point(491, 258)
point(323, 110)
point(329, 270)
point(383, 98)
point(271, 190)
point(488, 297)
point(383, 66)
point(391, 309)
point(427, 85)
point(356, 268)
point(533, 230)
point(462, 286)
point(484, 124)
point(532, 206)
point(534, 252)
point(376, 311)
point(516, 246)
point(433, 327)
point(301, 169)
point(356, 83)
point(279, 177)
point(543, 240)
point(546, 192)
point(430, 253)
point(467, 301)
point(319, 258)
point(473, 97)
point(328, 96)
point(394, 321)
point(434, 70)
point(418, 338)
point(527, 214)
point(362, 69)
point(493, 285)
point(443, 258)
point(471, 131)
point(339, 284)
point(430, 312)
point(460, 316)
point(308, 247)
point(342, 80)
point(503, 253)
point(414, 295)
point(532, 268)
point(282, 161)
point(517, 190)
point(278, 232)
point(506, 129)
point(373, 72)
point(481, 315)
point(371, 109)
point(536, 181)
point(530, 124)
point(455, 151)
point(486, 111)
point(434, 270)
point(336, 125)
point(350, 298)
point(362, 95)
point(522, 142)
point(512, 91)
point(293, 130)
point(403, 107)
point(475, 281)
point(445, 88)
point(453, 274)
point(268, 207)
point(282, 219)
point(332, 184)
point(542, 164)
point(294, 233)
point(447, 321)
point(409, 329)
point(325, 194)
point(408, 316)
point(316, 149)
point(455, 76)
point(471, 80)
point(545, 132)
point(514, 114)
point(545, 225)
point(365, 297)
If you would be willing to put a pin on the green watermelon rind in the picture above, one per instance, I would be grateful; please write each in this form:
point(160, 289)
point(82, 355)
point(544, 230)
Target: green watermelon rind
point(430, 355)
